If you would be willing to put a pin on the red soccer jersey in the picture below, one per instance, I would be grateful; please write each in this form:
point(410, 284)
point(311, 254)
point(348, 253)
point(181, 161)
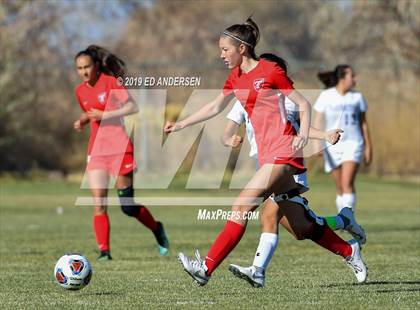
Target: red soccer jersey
point(258, 90)
point(107, 137)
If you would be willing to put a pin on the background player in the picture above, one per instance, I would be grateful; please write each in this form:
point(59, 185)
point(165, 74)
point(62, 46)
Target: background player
point(110, 152)
point(343, 107)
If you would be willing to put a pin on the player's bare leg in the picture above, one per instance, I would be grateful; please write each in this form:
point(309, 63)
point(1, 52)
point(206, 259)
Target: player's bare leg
point(268, 179)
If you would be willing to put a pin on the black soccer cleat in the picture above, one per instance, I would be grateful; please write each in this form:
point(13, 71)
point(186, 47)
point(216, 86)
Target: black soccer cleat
point(104, 256)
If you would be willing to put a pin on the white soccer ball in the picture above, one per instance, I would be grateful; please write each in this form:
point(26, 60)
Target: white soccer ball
point(73, 271)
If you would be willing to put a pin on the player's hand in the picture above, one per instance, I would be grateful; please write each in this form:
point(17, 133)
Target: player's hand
point(172, 127)
point(333, 136)
point(299, 142)
point(78, 126)
point(368, 156)
point(95, 115)
point(84, 119)
point(235, 141)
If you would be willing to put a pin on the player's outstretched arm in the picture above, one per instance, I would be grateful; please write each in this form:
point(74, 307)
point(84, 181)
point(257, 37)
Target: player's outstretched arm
point(318, 118)
point(130, 107)
point(230, 138)
point(331, 136)
point(208, 111)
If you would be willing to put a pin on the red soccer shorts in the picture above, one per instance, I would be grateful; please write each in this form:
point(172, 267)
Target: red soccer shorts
point(118, 164)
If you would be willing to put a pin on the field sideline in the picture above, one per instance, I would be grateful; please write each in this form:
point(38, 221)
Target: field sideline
point(33, 236)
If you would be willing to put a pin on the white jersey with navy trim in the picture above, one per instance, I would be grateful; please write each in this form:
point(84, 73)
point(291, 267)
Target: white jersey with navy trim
point(342, 112)
point(240, 116)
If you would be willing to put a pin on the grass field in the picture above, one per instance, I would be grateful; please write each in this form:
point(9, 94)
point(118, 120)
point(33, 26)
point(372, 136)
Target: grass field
point(33, 236)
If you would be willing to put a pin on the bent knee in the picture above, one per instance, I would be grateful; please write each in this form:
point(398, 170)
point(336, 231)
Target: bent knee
point(130, 210)
point(304, 232)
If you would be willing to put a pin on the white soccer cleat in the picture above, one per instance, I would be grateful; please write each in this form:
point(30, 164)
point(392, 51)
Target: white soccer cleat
point(353, 228)
point(249, 274)
point(355, 262)
point(195, 268)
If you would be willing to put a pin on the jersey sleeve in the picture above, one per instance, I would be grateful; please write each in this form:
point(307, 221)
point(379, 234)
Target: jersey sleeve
point(281, 81)
point(320, 103)
point(362, 104)
point(236, 114)
point(118, 92)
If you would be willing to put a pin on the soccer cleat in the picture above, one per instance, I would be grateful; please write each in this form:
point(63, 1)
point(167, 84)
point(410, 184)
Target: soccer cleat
point(256, 279)
point(104, 256)
point(162, 239)
point(196, 268)
point(162, 250)
point(356, 263)
point(353, 227)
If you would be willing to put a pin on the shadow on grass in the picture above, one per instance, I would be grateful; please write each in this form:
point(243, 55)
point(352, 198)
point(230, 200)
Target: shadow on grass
point(414, 282)
point(399, 290)
point(103, 293)
point(393, 229)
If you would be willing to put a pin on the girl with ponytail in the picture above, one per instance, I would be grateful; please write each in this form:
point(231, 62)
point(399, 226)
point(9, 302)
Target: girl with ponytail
point(104, 103)
point(340, 105)
point(257, 84)
point(331, 78)
point(271, 213)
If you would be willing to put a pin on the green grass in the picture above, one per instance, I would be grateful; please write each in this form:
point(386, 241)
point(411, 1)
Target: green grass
point(33, 236)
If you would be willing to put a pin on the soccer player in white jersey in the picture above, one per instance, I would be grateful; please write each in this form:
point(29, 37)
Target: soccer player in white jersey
point(272, 215)
point(343, 107)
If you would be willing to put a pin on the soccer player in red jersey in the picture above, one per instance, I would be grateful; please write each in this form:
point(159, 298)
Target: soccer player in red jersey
point(104, 103)
point(272, 215)
point(256, 83)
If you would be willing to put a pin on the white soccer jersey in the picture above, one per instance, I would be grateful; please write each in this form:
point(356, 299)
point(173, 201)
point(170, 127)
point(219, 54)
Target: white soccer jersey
point(342, 112)
point(292, 111)
point(240, 116)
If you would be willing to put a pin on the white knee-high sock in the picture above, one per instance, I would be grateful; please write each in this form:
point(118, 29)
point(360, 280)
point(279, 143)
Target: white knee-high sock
point(266, 247)
point(339, 202)
point(349, 200)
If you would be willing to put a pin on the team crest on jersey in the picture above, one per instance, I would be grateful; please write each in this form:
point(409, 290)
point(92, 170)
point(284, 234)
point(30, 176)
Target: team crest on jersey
point(258, 84)
point(76, 266)
point(101, 97)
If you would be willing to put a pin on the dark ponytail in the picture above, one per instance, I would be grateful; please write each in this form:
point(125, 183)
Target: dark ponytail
point(278, 60)
point(107, 62)
point(274, 58)
point(331, 78)
point(247, 33)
